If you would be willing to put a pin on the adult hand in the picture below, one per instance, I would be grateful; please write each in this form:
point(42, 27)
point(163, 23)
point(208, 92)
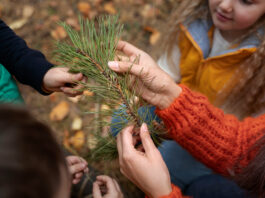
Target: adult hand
point(145, 169)
point(77, 167)
point(113, 188)
point(154, 85)
point(57, 79)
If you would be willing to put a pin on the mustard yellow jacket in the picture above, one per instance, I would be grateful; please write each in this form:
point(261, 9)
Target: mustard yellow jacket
point(206, 74)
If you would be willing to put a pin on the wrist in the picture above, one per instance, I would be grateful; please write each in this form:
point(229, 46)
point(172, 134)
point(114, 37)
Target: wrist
point(162, 192)
point(46, 90)
point(172, 93)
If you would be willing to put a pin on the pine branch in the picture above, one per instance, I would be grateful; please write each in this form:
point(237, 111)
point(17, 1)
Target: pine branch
point(88, 52)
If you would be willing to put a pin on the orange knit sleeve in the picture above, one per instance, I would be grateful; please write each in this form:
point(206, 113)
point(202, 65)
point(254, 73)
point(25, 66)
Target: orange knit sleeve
point(216, 139)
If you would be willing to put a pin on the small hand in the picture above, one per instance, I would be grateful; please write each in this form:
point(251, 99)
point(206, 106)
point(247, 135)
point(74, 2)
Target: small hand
point(77, 167)
point(113, 188)
point(154, 85)
point(57, 79)
point(145, 169)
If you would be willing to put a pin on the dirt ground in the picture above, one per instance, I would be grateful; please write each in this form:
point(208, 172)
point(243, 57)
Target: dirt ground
point(37, 22)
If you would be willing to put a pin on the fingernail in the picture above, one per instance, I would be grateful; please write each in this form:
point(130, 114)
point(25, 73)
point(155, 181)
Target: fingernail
point(113, 64)
point(144, 127)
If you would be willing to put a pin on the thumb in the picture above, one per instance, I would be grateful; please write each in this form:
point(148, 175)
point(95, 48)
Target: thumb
point(147, 141)
point(71, 78)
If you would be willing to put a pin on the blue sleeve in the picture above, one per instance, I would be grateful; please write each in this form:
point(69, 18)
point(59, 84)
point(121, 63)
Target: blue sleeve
point(27, 65)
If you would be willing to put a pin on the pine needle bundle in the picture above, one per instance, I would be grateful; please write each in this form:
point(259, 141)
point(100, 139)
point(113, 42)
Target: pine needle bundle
point(88, 52)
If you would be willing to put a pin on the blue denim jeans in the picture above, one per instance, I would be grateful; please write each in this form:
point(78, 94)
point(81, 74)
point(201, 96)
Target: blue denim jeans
point(215, 186)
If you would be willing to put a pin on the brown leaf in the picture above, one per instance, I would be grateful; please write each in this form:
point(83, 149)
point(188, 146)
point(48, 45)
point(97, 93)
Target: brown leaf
point(105, 107)
point(149, 11)
point(54, 18)
point(53, 97)
point(75, 99)
point(53, 4)
point(154, 37)
point(59, 33)
point(78, 140)
point(84, 8)
point(155, 34)
point(149, 29)
point(60, 111)
point(73, 22)
point(91, 141)
point(18, 24)
point(109, 8)
point(88, 93)
point(77, 124)
point(28, 11)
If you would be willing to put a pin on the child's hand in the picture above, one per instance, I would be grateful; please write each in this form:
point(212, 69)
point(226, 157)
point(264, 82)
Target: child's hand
point(112, 188)
point(57, 79)
point(77, 167)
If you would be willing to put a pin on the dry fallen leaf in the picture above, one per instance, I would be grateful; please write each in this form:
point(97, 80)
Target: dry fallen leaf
point(91, 141)
point(53, 97)
point(105, 107)
point(75, 99)
point(154, 37)
point(149, 11)
point(60, 111)
point(18, 23)
point(109, 8)
point(28, 11)
point(88, 93)
point(77, 124)
point(77, 140)
point(59, 33)
point(73, 22)
point(155, 34)
point(84, 8)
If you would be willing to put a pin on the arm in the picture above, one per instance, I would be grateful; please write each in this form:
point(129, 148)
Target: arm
point(31, 68)
point(27, 65)
point(216, 139)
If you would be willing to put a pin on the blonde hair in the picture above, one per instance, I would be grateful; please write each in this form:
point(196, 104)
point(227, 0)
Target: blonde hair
point(244, 94)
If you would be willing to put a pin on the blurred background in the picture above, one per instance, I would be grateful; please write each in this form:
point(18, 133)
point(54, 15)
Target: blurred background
point(36, 21)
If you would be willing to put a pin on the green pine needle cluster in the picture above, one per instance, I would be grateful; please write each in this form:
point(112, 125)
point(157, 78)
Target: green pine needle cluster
point(88, 52)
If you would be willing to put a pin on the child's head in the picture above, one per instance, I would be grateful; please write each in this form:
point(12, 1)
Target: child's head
point(244, 94)
point(31, 162)
point(236, 15)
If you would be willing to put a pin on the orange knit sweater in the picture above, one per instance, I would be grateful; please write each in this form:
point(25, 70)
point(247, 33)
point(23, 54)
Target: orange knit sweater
point(215, 139)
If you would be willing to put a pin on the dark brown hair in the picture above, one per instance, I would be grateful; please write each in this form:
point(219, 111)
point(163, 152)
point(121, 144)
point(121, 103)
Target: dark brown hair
point(252, 177)
point(31, 161)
